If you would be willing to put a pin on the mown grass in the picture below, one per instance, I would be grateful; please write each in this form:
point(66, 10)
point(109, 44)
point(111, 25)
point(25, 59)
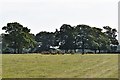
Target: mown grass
point(0, 66)
point(60, 66)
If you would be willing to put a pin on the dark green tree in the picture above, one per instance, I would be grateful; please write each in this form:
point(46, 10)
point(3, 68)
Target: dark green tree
point(66, 38)
point(18, 37)
point(111, 33)
point(44, 40)
point(100, 40)
point(82, 37)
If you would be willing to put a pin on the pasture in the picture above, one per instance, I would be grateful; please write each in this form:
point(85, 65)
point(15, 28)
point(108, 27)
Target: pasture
point(60, 66)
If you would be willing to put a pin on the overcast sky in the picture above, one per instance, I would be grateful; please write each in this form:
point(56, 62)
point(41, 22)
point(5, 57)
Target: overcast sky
point(48, 15)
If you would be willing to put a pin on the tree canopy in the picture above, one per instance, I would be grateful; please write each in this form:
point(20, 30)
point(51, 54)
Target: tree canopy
point(17, 37)
point(69, 38)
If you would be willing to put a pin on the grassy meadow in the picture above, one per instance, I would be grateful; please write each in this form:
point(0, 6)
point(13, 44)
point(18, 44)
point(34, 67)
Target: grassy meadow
point(60, 66)
point(0, 66)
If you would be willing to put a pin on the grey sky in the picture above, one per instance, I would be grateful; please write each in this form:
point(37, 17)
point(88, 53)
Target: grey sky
point(47, 15)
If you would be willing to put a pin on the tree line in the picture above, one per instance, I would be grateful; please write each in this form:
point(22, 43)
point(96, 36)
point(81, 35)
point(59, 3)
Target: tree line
point(18, 39)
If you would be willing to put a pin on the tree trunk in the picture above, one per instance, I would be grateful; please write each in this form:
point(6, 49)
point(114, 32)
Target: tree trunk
point(83, 45)
point(18, 50)
point(15, 49)
point(74, 50)
point(83, 48)
point(99, 50)
point(95, 51)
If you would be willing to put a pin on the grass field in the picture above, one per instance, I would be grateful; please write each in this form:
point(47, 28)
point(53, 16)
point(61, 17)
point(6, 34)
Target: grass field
point(0, 66)
point(60, 66)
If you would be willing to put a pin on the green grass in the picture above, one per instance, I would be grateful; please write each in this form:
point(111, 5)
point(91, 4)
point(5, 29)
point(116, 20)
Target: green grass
point(0, 66)
point(60, 66)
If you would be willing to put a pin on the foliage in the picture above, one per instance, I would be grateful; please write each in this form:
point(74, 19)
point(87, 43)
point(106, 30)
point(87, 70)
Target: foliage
point(45, 40)
point(17, 37)
point(111, 33)
point(68, 38)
